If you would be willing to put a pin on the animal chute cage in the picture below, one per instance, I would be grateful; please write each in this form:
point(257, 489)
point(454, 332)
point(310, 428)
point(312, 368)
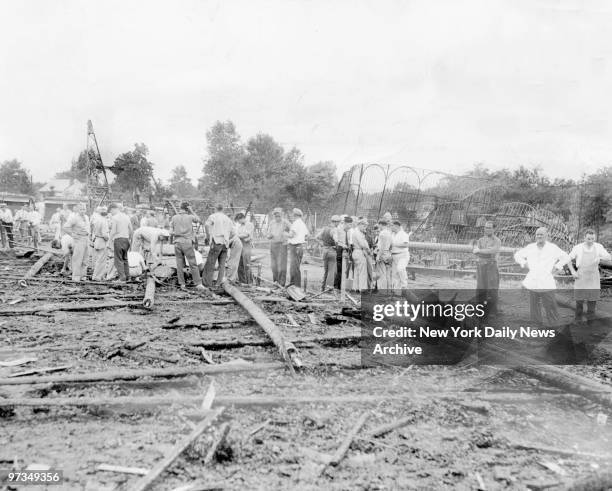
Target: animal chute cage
point(442, 207)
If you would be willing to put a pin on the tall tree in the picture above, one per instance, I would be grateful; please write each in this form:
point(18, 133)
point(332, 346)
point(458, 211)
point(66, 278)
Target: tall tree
point(180, 183)
point(15, 178)
point(223, 169)
point(318, 185)
point(133, 172)
point(264, 169)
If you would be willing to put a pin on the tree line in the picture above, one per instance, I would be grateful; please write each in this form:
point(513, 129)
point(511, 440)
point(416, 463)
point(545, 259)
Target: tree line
point(259, 171)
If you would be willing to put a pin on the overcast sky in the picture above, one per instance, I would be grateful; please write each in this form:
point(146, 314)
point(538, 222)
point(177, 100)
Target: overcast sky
point(434, 84)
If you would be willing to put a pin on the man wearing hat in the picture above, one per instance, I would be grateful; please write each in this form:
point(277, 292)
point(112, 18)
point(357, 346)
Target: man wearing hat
point(296, 241)
point(383, 256)
point(219, 229)
point(343, 252)
point(182, 228)
point(120, 234)
point(100, 232)
point(400, 256)
point(6, 226)
point(78, 228)
point(278, 230)
point(327, 237)
point(55, 223)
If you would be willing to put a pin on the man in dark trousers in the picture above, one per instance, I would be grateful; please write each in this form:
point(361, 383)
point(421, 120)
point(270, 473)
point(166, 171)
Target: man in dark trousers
point(327, 237)
point(219, 228)
point(342, 249)
point(120, 233)
point(6, 226)
point(487, 274)
point(181, 226)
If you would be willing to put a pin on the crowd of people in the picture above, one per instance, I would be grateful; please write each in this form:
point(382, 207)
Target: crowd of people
point(371, 259)
point(542, 259)
point(24, 226)
point(121, 243)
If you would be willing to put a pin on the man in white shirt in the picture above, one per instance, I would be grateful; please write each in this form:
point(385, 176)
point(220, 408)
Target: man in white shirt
point(55, 223)
point(244, 230)
point(587, 286)
point(34, 220)
point(6, 226)
point(297, 239)
point(400, 256)
point(148, 241)
point(342, 249)
point(219, 227)
point(100, 230)
point(543, 259)
point(21, 223)
point(66, 244)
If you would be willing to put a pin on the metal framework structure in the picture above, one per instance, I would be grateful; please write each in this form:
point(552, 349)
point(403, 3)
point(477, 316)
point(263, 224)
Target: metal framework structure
point(98, 189)
point(442, 207)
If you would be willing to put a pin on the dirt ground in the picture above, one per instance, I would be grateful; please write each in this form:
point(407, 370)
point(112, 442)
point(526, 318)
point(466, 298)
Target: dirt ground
point(468, 427)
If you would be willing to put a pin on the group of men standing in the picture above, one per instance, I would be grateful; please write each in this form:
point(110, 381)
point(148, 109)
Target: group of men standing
point(119, 245)
point(23, 226)
point(287, 243)
point(375, 259)
point(543, 259)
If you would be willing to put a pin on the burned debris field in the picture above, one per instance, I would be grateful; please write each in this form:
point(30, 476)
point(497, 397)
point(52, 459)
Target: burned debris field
point(191, 393)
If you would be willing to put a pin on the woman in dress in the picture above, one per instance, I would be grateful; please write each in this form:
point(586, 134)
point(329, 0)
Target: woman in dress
point(587, 286)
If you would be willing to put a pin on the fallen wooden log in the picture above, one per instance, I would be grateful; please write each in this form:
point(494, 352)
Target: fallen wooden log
point(266, 324)
point(149, 297)
point(123, 470)
point(386, 428)
point(558, 451)
point(136, 374)
point(210, 455)
point(346, 443)
point(201, 486)
point(291, 302)
point(571, 382)
point(155, 401)
point(25, 373)
point(36, 267)
point(563, 379)
point(239, 343)
point(66, 280)
point(177, 450)
point(77, 307)
point(211, 324)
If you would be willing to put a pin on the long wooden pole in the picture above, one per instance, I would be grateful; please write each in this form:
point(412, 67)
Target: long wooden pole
point(136, 374)
point(149, 297)
point(36, 267)
point(284, 347)
point(178, 449)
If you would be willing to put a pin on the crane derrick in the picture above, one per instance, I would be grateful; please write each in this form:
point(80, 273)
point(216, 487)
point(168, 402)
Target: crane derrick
point(98, 189)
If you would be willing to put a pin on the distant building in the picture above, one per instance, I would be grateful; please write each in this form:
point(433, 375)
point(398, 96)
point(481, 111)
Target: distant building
point(15, 201)
point(58, 192)
point(63, 188)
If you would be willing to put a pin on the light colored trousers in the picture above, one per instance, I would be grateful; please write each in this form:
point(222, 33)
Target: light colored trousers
point(384, 275)
point(80, 254)
point(235, 253)
point(100, 264)
point(360, 270)
point(398, 267)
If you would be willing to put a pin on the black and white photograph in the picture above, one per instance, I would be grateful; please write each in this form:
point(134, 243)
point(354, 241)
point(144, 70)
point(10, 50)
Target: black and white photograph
point(305, 245)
